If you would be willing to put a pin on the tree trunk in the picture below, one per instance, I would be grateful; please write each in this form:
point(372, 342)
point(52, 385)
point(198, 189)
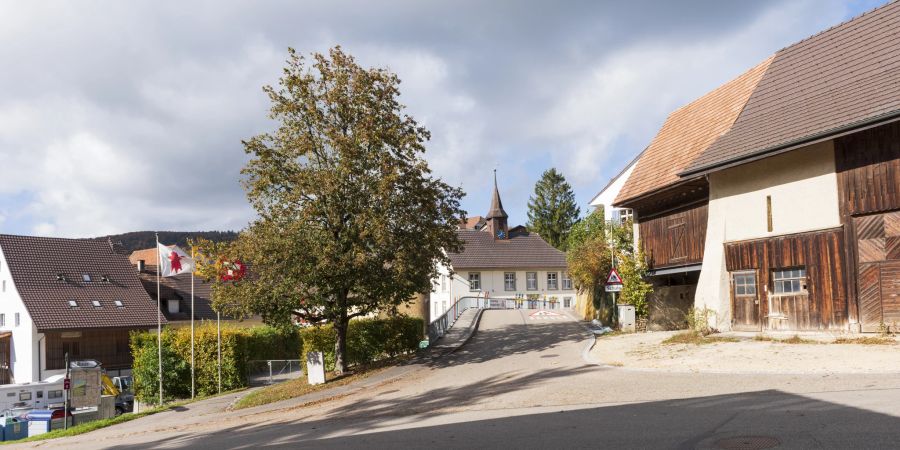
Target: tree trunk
point(340, 346)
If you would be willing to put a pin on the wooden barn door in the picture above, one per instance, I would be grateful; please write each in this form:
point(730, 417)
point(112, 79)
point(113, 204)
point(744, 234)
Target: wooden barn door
point(745, 301)
point(878, 271)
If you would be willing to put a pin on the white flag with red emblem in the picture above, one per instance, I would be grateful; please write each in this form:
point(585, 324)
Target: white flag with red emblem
point(174, 261)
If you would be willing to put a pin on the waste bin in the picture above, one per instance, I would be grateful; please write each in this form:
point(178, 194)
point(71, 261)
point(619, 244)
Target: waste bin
point(14, 428)
point(42, 421)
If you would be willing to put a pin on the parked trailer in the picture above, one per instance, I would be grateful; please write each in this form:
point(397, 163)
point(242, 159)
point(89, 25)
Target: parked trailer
point(23, 397)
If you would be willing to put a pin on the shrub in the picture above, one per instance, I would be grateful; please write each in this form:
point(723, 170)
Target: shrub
point(368, 340)
point(239, 345)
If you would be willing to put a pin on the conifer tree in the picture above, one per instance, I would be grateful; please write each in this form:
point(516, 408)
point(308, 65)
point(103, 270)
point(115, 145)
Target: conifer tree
point(552, 210)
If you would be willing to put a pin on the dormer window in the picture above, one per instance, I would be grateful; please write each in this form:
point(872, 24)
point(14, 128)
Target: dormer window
point(96, 303)
point(104, 278)
point(119, 304)
point(86, 278)
point(73, 303)
point(60, 277)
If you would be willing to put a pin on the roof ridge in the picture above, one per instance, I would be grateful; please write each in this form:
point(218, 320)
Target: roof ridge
point(838, 25)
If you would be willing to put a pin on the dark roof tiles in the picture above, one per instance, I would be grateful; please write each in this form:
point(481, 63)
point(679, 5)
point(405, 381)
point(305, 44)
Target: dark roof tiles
point(35, 262)
point(521, 250)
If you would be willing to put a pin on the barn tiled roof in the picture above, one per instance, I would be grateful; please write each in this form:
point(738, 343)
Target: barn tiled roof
point(687, 132)
point(846, 76)
point(36, 262)
point(521, 250)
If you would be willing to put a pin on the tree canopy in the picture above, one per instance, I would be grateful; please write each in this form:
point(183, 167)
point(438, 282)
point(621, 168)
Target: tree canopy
point(351, 220)
point(552, 210)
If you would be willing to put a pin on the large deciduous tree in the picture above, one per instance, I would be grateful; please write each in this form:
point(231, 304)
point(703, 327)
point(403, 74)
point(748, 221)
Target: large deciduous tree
point(351, 220)
point(552, 210)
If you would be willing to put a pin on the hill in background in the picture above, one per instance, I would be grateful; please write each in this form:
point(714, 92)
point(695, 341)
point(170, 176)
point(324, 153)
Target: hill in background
point(138, 240)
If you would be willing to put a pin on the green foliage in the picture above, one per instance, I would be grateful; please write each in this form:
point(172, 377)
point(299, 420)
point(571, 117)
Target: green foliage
point(350, 219)
point(635, 289)
point(368, 340)
point(552, 210)
point(239, 345)
point(698, 320)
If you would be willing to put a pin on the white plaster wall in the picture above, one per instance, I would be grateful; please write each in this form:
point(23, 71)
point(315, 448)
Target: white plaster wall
point(492, 285)
point(606, 197)
point(23, 353)
point(803, 188)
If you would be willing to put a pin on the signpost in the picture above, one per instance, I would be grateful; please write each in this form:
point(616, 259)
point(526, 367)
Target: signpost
point(613, 285)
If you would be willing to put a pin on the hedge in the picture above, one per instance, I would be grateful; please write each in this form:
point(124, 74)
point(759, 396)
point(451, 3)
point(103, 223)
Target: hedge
point(368, 340)
point(239, 345)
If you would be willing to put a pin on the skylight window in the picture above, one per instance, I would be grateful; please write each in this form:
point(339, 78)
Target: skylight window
point(96, 303)
point(73, 304)
point(86, 278)
point(119, 304)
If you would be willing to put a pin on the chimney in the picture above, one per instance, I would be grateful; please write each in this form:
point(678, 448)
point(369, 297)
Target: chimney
point(140, 265)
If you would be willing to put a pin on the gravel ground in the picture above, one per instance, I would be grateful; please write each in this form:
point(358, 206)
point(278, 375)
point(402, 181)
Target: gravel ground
point(524, 383)
point(646, 351)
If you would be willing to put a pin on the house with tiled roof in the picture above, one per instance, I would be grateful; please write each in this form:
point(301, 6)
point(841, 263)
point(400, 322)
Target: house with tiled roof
point(59, 296)
point(774, 200)
point(497, 261)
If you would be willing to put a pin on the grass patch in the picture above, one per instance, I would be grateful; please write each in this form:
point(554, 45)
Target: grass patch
point(695, 338)
point(795, 339)
point(866, 340)
point(298, 387)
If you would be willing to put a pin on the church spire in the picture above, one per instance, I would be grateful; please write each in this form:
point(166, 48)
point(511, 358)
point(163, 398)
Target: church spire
point(496, 217)
point(496, 205)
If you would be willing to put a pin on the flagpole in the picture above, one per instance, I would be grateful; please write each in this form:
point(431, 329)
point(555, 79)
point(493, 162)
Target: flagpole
point(159, 318)
point(192, 321)
point(219, 346)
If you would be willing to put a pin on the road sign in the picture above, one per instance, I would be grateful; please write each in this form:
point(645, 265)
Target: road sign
point(613, 278)
point(613, 288)
point(67, 384)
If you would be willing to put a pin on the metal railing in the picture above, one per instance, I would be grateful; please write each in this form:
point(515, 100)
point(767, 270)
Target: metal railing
point(261, 372)
point(438, 327)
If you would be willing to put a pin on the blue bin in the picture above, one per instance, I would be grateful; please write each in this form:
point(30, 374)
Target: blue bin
point(14, 429)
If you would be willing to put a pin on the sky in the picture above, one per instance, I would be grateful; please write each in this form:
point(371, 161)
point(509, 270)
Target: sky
point(127, 116)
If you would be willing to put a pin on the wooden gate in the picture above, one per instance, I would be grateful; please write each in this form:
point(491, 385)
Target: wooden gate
point(878, 271)
point(5, 347)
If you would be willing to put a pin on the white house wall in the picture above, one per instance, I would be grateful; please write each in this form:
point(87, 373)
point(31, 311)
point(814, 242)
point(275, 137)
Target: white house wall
point(606, 197)
point(492, 286)
point(802, 185)
point(23, 355)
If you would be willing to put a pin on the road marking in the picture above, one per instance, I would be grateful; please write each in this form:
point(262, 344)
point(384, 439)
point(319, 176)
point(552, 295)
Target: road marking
point(546, 315)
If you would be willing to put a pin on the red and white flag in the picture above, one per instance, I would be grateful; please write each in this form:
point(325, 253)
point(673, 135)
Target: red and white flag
point(174, 261)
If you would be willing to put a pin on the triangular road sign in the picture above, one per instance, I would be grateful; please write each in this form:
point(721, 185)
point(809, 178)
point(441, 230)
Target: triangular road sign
point(613, 277)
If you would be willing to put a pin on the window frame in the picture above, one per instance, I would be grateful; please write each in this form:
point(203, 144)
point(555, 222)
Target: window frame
point(735, 284)
point(528, 287)
point(800, 278)
point(566, 281)
point(474, 282)
point(554, 286)
point(506, 286)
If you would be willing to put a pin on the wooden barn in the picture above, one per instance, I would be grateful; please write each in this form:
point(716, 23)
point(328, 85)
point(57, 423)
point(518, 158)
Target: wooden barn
point(774, 200)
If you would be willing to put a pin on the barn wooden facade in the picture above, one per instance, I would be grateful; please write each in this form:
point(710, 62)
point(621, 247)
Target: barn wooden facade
point(785, 265)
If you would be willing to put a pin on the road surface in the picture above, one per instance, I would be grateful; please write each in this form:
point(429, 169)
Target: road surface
point(521, 382)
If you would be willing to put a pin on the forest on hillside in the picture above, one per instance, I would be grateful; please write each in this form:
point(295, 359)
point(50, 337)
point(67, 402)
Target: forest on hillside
point(138, 240)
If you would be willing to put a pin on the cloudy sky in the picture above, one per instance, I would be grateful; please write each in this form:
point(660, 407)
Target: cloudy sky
point(123, 116)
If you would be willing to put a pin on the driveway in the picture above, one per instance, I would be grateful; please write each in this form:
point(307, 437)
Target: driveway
point(522, 383)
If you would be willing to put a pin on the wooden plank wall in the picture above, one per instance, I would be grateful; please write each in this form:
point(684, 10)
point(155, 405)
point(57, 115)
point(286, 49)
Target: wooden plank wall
point(868, 175)
point(675, 238)
point(821, 253)
point(110, 347)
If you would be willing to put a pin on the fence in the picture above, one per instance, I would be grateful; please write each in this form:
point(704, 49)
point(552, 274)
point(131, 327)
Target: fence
point(439, 326)
point(261, 372)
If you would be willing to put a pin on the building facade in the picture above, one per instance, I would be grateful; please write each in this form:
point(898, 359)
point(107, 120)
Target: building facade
point(782, 195)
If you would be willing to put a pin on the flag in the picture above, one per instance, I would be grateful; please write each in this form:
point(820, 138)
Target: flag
point(174, 261)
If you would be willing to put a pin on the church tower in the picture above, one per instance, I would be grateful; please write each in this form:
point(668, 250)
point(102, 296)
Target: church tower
point(496, 217)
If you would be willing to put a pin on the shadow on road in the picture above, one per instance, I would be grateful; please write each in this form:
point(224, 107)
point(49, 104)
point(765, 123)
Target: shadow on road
point(773, 417)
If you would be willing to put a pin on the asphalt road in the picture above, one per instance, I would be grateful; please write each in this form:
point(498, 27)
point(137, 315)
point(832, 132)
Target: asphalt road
point(522, 383)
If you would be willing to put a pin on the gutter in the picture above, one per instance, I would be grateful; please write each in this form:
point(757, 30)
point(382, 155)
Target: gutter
point(876, 121)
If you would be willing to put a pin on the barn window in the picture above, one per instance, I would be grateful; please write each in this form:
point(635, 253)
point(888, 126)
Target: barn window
point(745, 284)
point(789, 281)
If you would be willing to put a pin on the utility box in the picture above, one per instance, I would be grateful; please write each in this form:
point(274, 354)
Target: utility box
point(626, 318)
point(13, 428)
point(315, 368)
